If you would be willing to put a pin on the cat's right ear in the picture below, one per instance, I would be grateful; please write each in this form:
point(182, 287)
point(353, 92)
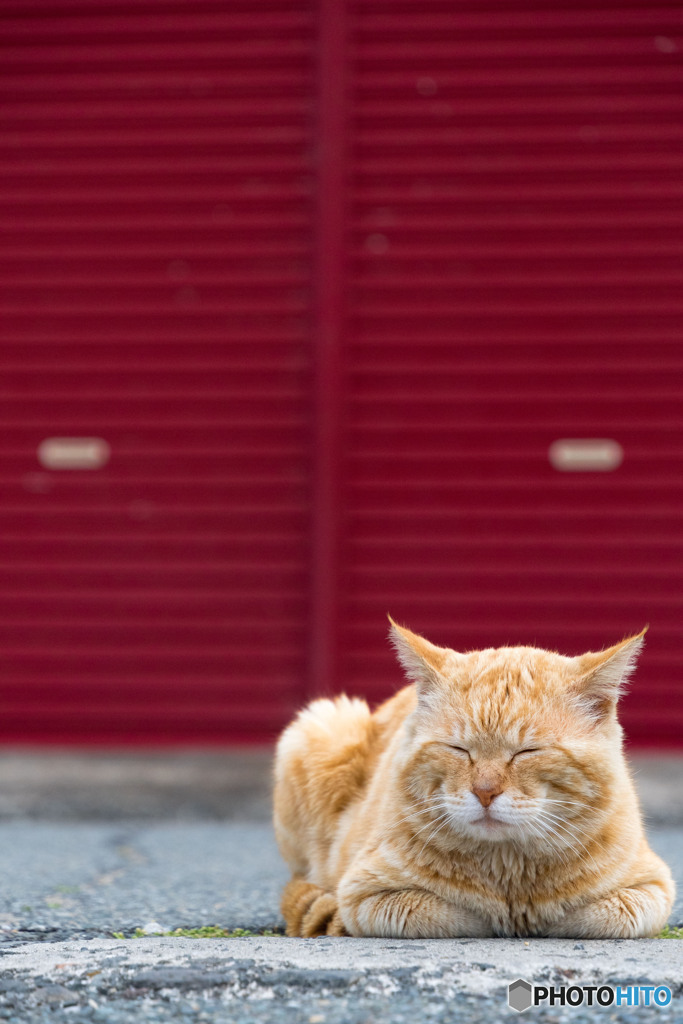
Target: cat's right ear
point(602, 675)
point(422, 661)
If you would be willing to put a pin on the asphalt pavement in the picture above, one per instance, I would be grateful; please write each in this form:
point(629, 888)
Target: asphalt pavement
point(98, 846)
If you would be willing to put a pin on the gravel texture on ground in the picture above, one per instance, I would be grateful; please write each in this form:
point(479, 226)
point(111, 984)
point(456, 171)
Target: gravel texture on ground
point(94, 879)
point(90, 846)
point(325, 981)
point(91, 879)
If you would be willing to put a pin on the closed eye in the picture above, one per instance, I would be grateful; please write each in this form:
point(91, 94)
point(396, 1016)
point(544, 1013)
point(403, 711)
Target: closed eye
point(459, 750)
point(527, 750)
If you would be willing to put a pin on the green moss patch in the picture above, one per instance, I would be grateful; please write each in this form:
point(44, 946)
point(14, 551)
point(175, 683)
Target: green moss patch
point(209, 931)
point(214, 931)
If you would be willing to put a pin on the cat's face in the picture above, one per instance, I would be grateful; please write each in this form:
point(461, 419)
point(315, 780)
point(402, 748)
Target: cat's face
point(514, 744)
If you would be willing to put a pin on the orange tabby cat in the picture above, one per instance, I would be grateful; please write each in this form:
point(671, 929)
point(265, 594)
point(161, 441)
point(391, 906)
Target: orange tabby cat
point(491, 797)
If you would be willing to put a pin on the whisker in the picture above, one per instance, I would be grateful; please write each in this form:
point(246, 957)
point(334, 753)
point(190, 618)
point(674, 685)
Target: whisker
point(432, 820)
point(551, 826)
point(568, 825)
point(408, 817)
point(566, 803)
point(444, 819)
point(565, 821)
point(557, 842)
point(536, 831)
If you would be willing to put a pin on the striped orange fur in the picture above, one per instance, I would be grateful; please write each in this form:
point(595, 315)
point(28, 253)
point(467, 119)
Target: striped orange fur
point(489, 797)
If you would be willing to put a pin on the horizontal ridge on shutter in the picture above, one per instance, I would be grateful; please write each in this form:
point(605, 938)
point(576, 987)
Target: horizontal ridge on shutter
point(156, 276)
point(516, 278)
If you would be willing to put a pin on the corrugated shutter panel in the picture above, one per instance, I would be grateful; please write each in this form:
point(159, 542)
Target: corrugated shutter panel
point(517, 216)
point(155, 265)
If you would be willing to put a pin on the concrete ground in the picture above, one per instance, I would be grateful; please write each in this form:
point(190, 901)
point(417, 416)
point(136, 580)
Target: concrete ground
point(96, 844)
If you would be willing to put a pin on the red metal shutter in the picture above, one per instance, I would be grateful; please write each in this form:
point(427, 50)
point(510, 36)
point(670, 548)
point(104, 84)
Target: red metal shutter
point(517, 278)
point(155, 264)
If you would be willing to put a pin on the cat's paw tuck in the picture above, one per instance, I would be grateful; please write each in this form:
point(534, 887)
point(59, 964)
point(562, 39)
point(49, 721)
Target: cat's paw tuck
point(490, 796)
point(310, 911)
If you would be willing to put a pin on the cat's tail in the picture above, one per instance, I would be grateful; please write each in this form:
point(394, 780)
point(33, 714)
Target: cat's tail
point(310, 911)
point(321, 765)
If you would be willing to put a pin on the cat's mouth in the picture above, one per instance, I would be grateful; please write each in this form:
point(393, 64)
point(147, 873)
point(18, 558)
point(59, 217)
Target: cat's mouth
point(489, 823)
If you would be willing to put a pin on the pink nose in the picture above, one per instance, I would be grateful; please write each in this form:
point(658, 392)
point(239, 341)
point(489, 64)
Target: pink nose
point(486, 793)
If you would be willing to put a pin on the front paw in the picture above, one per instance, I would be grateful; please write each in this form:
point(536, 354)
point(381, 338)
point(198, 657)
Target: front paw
point(630, 913)
point(335, 925)
point(310, 911)
point(322, 917)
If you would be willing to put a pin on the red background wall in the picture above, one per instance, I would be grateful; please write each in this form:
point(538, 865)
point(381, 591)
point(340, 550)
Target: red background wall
point(330, 279)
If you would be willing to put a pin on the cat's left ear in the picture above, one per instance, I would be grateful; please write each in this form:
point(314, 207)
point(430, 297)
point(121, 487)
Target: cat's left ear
point(422, 661)
point(602, 675)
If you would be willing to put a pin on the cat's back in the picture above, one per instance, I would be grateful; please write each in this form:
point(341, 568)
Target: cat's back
point(390, 716)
